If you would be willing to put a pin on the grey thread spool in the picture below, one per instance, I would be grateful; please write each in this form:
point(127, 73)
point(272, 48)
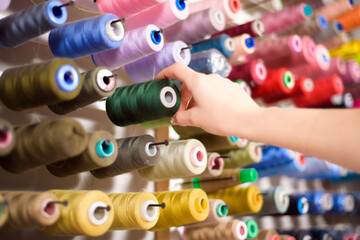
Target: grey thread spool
point(134, 153)
point(101, 152)
point(275, 201)
point(311, 26)
point(334, 29)
point(45, 143)
point(7, 137)
point(97, 84)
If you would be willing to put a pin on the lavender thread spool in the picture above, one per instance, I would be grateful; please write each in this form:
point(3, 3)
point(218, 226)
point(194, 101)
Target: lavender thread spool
point(352, 74)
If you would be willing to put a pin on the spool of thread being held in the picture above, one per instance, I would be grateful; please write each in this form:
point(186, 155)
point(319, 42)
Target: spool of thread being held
point(98, 83)
point(252, 153)
point(182, 207)
point(149, 67)
point(276, 201)
point(351, 19)
point(143, 102)
point(21, 27)
point(253, 28)
point(45, 143)
point(184, 158)
point(253, 72)
point(244, 46)
point(7, 138)
point(230, 8)
point(35, 85)
point(4, 209)
point(133, 153)
point(208, 62)
point(223, 43)
point(335, 9)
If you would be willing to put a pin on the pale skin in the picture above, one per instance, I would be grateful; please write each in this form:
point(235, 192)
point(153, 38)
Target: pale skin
point(221, 107)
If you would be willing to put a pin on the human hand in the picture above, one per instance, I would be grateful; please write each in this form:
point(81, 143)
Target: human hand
point(211, 102)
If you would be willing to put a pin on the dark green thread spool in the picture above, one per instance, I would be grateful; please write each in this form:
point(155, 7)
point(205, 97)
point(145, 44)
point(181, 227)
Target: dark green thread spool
point(7, 137)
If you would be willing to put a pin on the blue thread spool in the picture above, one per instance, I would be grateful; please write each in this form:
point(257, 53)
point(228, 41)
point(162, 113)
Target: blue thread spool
point(26, 25)
point(284, 169)
point(274, 156)
point(322, 21)
point(356, 210)
point(208, 62)
point(322, 234)
point(223, 43)
point(343, 203)
point(298, 205)
point(319, 202)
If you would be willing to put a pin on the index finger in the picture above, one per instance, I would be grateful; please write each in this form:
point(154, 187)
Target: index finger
point(178, 71)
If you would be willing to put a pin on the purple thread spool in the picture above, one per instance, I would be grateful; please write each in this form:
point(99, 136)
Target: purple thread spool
point(337, 66)
point(4, 4)
point(197, 26)
point(147, 68)
point(136, 44)
point(253, 28)
point(352, 73)
point(286, 18)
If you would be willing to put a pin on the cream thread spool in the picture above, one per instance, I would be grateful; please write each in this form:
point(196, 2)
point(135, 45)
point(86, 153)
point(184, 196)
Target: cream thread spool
point(215, 165)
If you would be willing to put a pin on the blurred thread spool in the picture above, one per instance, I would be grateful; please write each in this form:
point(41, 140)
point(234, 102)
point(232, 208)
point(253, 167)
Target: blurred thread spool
point(254, 72)
point(352, 75)
point(298, 205)
point(244, 45)
point(241, 200)
point(162, 15)
point(98, 83)
point(253, 228)
point(197, 26)
point(253, 28)
point(334, 29)
point(295, 166)
point(4, 211)
point(188, 132)
point(244, 86)
point(315, 4)
point(30, 209)
point(299, 234)
point(336, 41)
point(215, 165)
point(143, 102)
point(345, 100)
point(35, 85)
point(343, 204)
point(252, 153)
point(7, 138)
point(4, 4)
point(230, 8)
point(134, 211)
point(217, 211)
point(356, 210)
point(229, 178)
point(208, 62)
point(136, 44)
point(133, 153)
point(156, 123)
point(45, 143)
point(267, 235)
point(276, 201)
point(86, 37)
point(337, 66)
point(286, 18)
point(184, 158)
point(349, 49)
point(313, 25)
point(220, 143)
point(230, 230)
point(147, 68)
point(21, 27)
point(286, 237)
point(101, 151)
point(322, 234)
point(335, 9)
point(319, 202)
point(222, 42)
point(182, 207)
point(351, 19)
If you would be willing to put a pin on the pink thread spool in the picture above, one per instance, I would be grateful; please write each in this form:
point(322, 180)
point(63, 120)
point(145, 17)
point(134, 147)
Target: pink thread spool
point(197, 26)
point(126, 8)
point(244, 45)
point(136, 44)
point(230, 8)
point(253, 72)
point(286, 18)
point(148, 67)
point(337, 66)
point(162, 15)
point(335, 9)
point(4, 4)
point(253, 28)
point(352, 74)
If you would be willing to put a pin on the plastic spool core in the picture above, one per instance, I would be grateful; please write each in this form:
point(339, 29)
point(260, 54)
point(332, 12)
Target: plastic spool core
point(216, 163)
point(323, 23)
point(197, 157)
point(304, 206)
point(5, 136)
point(105, 80)
point(307, 10)
point(249, 42)
point(180, 4)
point(240, 230)
point(308, 85)
point(201, 204)
point(302, 160)
point(348, 101)
point(218, 62)
point(156, 37)
point(229, 44)
point(258, 27)
point(222, 210)
point(349, 203)
point(105, 148)
point(67, 78)
point(168, 97)
point(261, 71)
point(233, 139)
point(296, 43)
point(97, 213)
point(48, 208)
point(219, 17)
point(150, 150)
point(234, 6)
point(327, 201)
point(57, 11)
point(288, 80)
point(148, 213)
point(307, 237)
point(114, 30)
point(181, 54)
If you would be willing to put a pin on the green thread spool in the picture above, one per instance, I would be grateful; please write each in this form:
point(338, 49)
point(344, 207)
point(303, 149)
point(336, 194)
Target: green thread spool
point(36, 85)
point(98, 83)
point(276, 201)
point(101, 151)
point(7, 137)
point(156, 123)
point(143, 102)
point(252, 153)
point(253, 228)
point(188, 132)
point(45, 143)
point(133, 153)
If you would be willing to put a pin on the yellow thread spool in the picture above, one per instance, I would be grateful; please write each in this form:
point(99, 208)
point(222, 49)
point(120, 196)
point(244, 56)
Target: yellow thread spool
point(350, 48)
point(241, 200)
point(87, 213)
point(182, 207)
point(4, 211)
point(133, 211)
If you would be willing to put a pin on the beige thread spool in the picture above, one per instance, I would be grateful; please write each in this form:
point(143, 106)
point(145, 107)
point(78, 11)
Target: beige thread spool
point(215, 165)
point(4, 211)
point(221, 143)
point(217, 211)
point(252, 153)
point(267, 235)
point(7, 137)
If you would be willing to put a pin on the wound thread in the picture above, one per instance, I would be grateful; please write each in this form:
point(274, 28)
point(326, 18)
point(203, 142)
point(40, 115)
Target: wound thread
point(4, 211)
point(252, 153)
point(223, 43)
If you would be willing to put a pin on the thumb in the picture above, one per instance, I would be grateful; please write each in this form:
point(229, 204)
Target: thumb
point(185, 118)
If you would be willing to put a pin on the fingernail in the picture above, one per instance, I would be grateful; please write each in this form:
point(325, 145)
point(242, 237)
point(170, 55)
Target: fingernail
point(172, 119)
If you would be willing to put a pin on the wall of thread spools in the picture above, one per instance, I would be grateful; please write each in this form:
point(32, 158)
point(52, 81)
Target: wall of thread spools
point(78, 114)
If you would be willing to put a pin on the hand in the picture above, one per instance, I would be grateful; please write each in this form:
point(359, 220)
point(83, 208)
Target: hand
point(210, 102)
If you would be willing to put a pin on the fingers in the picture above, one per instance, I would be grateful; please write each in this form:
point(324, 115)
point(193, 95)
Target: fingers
point(185, 97)
point(185, 118)
point(179, 71)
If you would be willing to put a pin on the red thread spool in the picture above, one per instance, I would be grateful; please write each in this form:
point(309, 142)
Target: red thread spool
point(253, 72)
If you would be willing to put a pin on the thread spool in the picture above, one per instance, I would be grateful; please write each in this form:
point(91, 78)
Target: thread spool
point(270, 234)
point(150, 66)
point(45, 143)
point(162, 15)
point(349, 49)
point(286, 18)
point(7, 138)
point(298, 234)
point(188, 132)
point(245, 87)
point(4, 4)
point(352, 75)
point(313, 25)
point(322, 234)
point(242, 201)
point(286, 237)
point(319, 202)
point(232, 230)
point(86, 37)
point(275, 201)
point(208, 62)
point(34, 85)
point(4, 211)
point(136, 44)
point(334, 29)
point(253, 72)
point(134, 211)
point(343, 203)
point(133, 153)
point(183, 207)
point(88, 213)
point(156, 123)
point(351, 19)
point(336, 41)
point(252, 153)
point(274, 156)
point(345, 100)
point(21, 27)
point(126, 8)
point(155, 99)
point(332, 10)
point(184, 158)
point(230, 8)
point(215, 165)
point(217, 211)
point(98, 83)
point(324, 170)
point(100, 152)
point(244, 45)
point(228, 178)
point(253, 228)
point(197, 26)
point(356, 210)
point(337, 66)
point(219, 143)
point(253, 28)
point(298, 205)
point(223, 43)
point(315, 4)
point(30, 209)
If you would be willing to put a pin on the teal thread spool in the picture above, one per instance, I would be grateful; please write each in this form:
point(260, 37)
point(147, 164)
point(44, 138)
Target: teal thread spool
point(143, 102)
